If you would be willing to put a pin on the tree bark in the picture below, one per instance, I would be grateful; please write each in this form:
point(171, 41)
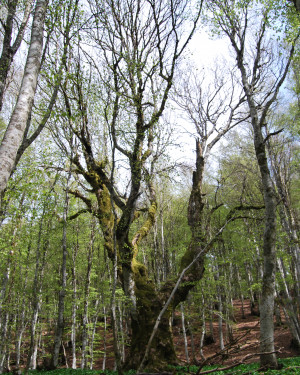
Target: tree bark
point(41, 254)
point(184, 334)
point(269, 240)
point(17, 124)
point(62, 291)
point(8, 49)
point(74, 297)
point(86, 298)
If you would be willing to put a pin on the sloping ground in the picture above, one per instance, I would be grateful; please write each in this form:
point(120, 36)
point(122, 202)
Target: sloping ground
point(247, 346)
point(247, 329)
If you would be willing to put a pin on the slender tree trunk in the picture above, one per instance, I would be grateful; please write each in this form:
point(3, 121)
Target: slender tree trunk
point(287, 218)
point(16, 127)
point(37, 296)
point(5, 282)
point(269, 240)
point(9, 49)
point(104, 339)
point(74, 301)
point(203, 330)
point(211, 326)
point(121, 331)
point(21, 327)
point(92, 340)
point(269, 254)
point(62, 291)
point(155, 261)
point(220, 321)
point(184, 334)
point(3, 344)
point(113, 301)
point(291, 309)
point(241, 292)
point(86, 299)
point(165, 263)
point(190, 326)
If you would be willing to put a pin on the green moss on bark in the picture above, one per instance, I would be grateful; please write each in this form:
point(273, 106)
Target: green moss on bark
point(149, 305)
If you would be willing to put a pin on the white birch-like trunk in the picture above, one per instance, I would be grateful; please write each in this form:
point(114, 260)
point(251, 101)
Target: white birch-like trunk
point(220, 322)
point(203, 330)
point(241, 292)
point(104, 339)
point(163, 251)
point(121, 332)
point(74, 302)
point(184, 334)
point(3, 341)
point(86, 300)
point(5, 281)
point(31, 362)
point(22, 325)
point(211, 326)
point(95, 320)
point(17, 124)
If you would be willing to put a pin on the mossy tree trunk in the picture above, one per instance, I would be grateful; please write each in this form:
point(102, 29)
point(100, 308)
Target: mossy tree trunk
point(150, 302)
point(146, 301)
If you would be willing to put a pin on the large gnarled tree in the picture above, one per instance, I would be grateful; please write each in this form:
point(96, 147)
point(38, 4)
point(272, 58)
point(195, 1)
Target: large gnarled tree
point(139, 44)
point(140, 56)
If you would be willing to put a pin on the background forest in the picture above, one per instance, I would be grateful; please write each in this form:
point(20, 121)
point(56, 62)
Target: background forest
point(149, 171)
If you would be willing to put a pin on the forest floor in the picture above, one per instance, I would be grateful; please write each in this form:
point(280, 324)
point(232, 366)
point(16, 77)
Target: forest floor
point(247, 329)
point(248, 345)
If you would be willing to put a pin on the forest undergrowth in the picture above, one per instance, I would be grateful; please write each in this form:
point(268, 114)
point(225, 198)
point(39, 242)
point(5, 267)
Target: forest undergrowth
point(289, 366)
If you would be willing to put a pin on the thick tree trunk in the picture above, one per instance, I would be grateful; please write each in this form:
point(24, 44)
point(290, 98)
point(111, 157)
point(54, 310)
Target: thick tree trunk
point(149, 302)
point(149, 305)
point(16, 127)
point(146, 302)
